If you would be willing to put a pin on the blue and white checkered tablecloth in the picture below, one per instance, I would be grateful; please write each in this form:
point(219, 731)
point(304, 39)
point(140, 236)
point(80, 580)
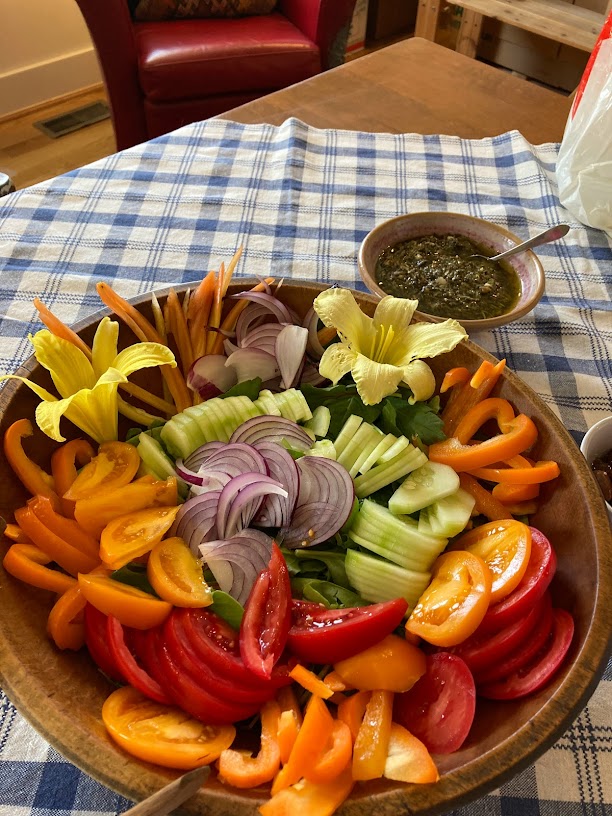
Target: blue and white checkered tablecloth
point(300, 200)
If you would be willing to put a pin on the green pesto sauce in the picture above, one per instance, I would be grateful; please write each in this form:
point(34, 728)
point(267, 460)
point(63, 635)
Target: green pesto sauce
point(437, 270)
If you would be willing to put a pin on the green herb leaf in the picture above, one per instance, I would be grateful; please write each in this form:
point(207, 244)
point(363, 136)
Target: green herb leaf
point(333, 561)
point(248, 388)
point(326, 592)
point(227, 608)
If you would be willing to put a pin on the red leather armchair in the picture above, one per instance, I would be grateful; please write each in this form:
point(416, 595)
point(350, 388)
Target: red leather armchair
point(162, 75)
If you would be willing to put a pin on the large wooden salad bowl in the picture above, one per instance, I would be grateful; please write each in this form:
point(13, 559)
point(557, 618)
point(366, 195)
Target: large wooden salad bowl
point(61, 694)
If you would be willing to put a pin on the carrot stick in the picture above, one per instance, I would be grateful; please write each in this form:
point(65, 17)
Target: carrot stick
point(230, 270)
point(59, 329)
point(145, 331)
point(180, 331)
point(147, 397)
point(201, 301)
point(215, 314)
point(326, 335)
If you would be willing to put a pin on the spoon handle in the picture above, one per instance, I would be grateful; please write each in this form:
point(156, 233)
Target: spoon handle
point(551, 234)
point(170, 796)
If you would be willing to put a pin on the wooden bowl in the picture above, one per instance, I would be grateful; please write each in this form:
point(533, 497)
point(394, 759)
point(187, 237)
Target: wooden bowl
point(484, 233)
point(61, 694)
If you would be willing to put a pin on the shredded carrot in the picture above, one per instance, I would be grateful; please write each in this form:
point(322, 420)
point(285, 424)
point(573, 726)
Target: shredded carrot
point(59, 329)
point(214, 320)
point(230, 270)
point(180, 331)
point(200, 307)
point(310, 681)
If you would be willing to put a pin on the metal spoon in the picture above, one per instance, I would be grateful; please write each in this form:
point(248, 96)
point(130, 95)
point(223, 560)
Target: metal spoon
point(551, 234)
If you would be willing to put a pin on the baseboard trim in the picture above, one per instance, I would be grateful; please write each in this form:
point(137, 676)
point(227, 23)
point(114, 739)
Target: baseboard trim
point(33, 86)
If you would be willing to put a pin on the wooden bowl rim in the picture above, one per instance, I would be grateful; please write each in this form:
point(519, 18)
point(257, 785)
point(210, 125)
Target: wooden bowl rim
point(457, 787)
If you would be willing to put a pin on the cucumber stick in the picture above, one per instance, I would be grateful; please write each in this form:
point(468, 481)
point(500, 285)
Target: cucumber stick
point(320, 421)
point(383, 474)
point(397, 539)
point(377, 580)
point(424, 486)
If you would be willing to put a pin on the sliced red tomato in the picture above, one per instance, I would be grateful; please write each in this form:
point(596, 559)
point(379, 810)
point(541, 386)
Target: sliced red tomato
point(97, 645)
point(321, 635)
point(526, 651)
point(267, 618)
point(541, 669)
point(161, 734)
point(534, 583)
point(439, 708)
point(134, 674)
point(480, 651)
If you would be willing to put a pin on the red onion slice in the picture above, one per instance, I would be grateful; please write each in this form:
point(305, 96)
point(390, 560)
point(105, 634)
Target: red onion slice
point(211, 480)
point(237, 561)
point(198, 457)
point(290, 350)
point(263, 337)
point(248, 363)
point(254, 315)
point(310, 374)
point(311, 323)
point(276, 510)
point(235, 458)
point(268, 428)
point(210, 377)
point(273, 304)
point(240, 499)
point(311, 524)
point(195, 521)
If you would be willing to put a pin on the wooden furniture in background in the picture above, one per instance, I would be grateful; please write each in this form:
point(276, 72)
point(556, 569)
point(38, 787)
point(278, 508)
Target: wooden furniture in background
point(416, 86)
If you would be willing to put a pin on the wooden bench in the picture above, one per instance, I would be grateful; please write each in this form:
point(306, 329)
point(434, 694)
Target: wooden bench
point(563, 22)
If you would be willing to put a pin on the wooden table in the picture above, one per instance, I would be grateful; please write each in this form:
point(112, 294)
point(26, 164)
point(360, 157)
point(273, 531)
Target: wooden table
point(416, 86)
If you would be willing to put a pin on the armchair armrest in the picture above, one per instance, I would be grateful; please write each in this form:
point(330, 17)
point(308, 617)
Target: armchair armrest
point(326, 22)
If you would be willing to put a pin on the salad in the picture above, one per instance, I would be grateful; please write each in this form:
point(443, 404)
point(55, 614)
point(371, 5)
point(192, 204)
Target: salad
point(300, 564)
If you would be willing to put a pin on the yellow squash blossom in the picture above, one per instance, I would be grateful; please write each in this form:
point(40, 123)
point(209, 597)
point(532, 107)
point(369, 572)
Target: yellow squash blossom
point(88, 390)
point(383, 351)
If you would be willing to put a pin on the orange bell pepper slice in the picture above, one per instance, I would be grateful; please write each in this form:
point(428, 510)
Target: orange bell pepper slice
point(514, 493)
point(465, 396)
point(28, 563)
point(131, 606)
point(543, 471)
point(392, 664)
point(408, 760)
point(65, 624)
point(63, 467)
point(336, 756)
point(16, 534)
point(310, 681)
point(35, 480)
point(240, 769)
point(69, 558)
point(176, 575)
point(505, 547)
point(456, 600)
point(486, 503)
point(95, 512)
point(131, 536)
point(310, 797)
point(114, 466)
point(517, 434)
point(352, 709)
point(453, 377)
point(289, 722)
point(65, 528)
point(372, 743)
point(335, 682)
point(308, 745)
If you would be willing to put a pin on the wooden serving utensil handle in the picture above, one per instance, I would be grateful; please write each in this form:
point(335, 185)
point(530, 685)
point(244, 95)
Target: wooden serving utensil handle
point(169, 797)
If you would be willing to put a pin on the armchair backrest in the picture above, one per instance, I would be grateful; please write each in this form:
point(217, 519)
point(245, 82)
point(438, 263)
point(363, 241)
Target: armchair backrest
point(325, 22)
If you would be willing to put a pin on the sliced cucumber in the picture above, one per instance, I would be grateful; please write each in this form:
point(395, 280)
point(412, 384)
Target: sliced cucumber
point(181, 435)
point(397, 539)
point(319, 422)
point(374, 457)
point(292, 405)
point(450, 515)
point(400, 444)
point(378, 580)
point(347, 432)
point(425, 485)
point(366, 438)
point(266, 404)
point(157, 463)
point(324, 448)
point(383, 474)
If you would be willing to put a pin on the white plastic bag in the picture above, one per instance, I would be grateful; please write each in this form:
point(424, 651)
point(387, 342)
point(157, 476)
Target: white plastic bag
point(584, 165)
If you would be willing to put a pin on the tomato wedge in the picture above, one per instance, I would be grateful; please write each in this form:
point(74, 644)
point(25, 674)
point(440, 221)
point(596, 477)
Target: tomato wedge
point(321, 635)
point(455, 602)
point(134, 674)
point(439, 709)
point(161, 734)
point(541, 669)
point(115, 465)
point(176, 576)
point(132, 606)
point(267, 617)
point(534, 583)
point(128, 537)
point(96, 642)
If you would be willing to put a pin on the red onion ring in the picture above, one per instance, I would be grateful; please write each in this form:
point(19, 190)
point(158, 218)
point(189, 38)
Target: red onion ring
point(273, 304)
point(195, 521)
point(276, 510)
point(290, 349)
point(272, 429)
point(240, 499)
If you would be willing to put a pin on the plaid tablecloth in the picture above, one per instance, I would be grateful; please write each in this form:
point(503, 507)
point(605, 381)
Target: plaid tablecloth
point(300, 200)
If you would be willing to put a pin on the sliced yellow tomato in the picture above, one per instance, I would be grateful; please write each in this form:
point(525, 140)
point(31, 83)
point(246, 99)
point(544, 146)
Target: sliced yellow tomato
point(162, 734)
point(393, 664)
point(128, 537)
point(115, 465)
point(505, 547)
point(130, 605)
point(175, 574)
point(455, 602)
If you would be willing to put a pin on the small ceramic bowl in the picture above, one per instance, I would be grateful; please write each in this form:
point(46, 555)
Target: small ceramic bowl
point(596, 441)
point(488, 235)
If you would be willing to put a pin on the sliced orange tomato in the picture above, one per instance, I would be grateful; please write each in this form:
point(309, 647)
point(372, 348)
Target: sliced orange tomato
point(131, 536)
point(505, 547)
point(372, 742)
point(456, 600)
point(95, 512)
point(29, 563)
point(115, 465)
point(240, 769)
point(175, 574)
point(35, 480)
point(304, 797)
point(408, 760)
point(66, 624)
point(131, 606)
point(392, 664)
point(162, 734)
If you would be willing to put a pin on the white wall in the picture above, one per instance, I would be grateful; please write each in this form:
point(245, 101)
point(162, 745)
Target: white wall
point(45, 52)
